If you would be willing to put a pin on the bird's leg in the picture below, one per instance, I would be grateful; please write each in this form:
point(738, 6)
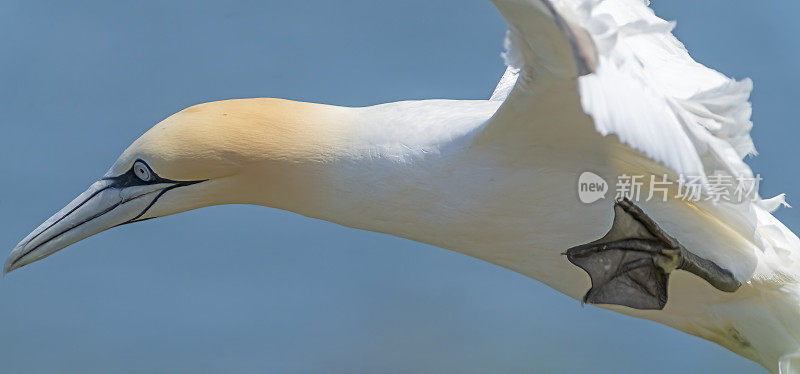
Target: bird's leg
point(631, 264)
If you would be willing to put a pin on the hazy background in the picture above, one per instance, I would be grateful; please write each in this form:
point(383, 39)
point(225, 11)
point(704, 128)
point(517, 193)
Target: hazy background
point(252, 290)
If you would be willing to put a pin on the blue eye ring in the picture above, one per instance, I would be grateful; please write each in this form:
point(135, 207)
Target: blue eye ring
point(142, 171)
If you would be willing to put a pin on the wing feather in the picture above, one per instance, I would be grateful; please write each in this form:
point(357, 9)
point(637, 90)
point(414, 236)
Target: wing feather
point(645, 88)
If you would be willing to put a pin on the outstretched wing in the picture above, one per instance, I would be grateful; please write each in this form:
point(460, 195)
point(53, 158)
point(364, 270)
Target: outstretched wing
point(631, 75)
point(579, 68)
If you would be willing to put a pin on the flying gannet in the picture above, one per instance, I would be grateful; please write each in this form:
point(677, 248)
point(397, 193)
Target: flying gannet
point(597, 96)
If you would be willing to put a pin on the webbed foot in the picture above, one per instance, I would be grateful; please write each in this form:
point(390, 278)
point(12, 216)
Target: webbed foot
point(631, 264)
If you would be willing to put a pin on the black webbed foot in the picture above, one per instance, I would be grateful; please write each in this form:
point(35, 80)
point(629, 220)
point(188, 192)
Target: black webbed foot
point(631, 264)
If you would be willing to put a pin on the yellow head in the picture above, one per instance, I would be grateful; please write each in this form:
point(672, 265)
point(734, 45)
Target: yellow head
point(257, 151)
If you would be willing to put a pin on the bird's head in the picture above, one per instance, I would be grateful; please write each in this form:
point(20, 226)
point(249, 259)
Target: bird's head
point(257, 151)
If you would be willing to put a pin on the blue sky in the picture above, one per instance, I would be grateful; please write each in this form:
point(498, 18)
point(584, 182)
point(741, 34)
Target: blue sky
point(249, 289)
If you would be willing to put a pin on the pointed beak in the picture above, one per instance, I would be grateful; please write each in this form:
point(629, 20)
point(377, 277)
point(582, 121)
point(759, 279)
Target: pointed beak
point(104, 205)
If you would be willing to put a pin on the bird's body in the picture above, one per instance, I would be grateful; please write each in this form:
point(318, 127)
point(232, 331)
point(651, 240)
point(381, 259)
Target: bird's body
point(497, 179)
point(421, 170)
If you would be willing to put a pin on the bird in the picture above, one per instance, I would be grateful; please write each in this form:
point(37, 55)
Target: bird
point(597, 94)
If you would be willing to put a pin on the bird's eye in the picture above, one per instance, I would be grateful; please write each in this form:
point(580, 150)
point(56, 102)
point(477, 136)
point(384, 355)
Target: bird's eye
point(142, 171)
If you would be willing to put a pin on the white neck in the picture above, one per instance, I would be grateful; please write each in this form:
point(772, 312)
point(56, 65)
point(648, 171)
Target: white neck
point(409, 169)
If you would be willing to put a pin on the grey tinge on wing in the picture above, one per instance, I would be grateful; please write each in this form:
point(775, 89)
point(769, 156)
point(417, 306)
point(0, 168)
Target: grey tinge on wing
point(583, 48)
point(631, 264)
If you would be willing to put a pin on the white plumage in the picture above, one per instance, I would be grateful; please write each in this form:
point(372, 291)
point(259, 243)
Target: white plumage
point(599, 86)
point(649, 92)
